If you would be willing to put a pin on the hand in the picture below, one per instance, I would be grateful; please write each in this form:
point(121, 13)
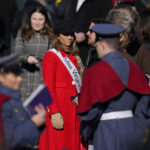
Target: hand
point(75, 101)
point(57, 121)
point(32, 60)
point(80, 37)
point(39, 118)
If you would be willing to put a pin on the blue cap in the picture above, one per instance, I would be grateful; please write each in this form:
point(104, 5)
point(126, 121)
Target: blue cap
point(10, 63)
point(107, 31)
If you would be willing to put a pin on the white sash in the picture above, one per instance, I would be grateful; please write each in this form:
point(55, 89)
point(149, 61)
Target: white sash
point(70, 67)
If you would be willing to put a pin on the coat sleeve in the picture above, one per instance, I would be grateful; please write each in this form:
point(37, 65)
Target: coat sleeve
point(19, 47)
point(17, 133)
point(90, 121)
point(142, 108)
point(49, 76)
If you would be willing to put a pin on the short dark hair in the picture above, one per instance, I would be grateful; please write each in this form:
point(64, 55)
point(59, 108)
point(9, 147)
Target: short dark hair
point(114, 43)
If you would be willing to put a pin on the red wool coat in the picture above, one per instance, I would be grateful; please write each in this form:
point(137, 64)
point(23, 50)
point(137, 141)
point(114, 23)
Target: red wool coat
point(61, 87)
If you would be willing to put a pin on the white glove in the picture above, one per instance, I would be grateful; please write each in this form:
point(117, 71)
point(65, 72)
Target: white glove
point(57, 121)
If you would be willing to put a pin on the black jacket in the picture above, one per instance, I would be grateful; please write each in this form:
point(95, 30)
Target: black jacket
point(89, 10)
point(8, 9)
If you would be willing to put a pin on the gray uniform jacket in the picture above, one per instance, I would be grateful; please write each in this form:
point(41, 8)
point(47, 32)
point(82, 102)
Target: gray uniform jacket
point(19, 131)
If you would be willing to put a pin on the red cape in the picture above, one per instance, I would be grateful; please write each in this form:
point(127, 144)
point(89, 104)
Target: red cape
point(101, 83)
point(3, 98)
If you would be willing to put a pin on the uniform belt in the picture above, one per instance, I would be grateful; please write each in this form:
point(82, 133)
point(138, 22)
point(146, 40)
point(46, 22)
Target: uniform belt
point(117, 115)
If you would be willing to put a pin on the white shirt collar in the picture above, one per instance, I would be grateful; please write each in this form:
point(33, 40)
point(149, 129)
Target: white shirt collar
point(79, 4)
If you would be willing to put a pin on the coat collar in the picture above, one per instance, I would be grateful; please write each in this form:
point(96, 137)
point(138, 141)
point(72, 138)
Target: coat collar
point(69, 55)
point(9, 92)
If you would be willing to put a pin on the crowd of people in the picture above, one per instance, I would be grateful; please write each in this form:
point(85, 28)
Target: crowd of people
point(94, 58)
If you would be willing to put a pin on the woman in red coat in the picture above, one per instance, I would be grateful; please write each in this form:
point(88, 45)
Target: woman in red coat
point(60, 72)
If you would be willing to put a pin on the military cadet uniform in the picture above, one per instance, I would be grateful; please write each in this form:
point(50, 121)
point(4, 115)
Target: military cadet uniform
point(114, 99)
point(20, 133)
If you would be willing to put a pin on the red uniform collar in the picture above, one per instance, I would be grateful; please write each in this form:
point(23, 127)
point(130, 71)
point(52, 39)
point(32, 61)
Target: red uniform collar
point(3, 98)
point(101, 77)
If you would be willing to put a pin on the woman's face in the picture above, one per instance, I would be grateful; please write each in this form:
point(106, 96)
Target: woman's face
point(11, 80)
point(66, 40)
point(37, 21)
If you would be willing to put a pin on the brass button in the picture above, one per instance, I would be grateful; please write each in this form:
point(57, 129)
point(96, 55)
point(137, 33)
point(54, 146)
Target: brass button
point(21, 118)
point(73, 83)
point(29, 146)
point(16, 110)
point(11, 101)
point(117, 118)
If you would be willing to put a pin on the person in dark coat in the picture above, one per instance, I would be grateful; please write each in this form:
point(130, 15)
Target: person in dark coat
point(8, 9)
point(19, 130)
point(114, 96)
point(92, 57)
point(82, 16)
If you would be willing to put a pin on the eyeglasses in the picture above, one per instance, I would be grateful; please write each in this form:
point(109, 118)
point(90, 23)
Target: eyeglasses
point(90, 30)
